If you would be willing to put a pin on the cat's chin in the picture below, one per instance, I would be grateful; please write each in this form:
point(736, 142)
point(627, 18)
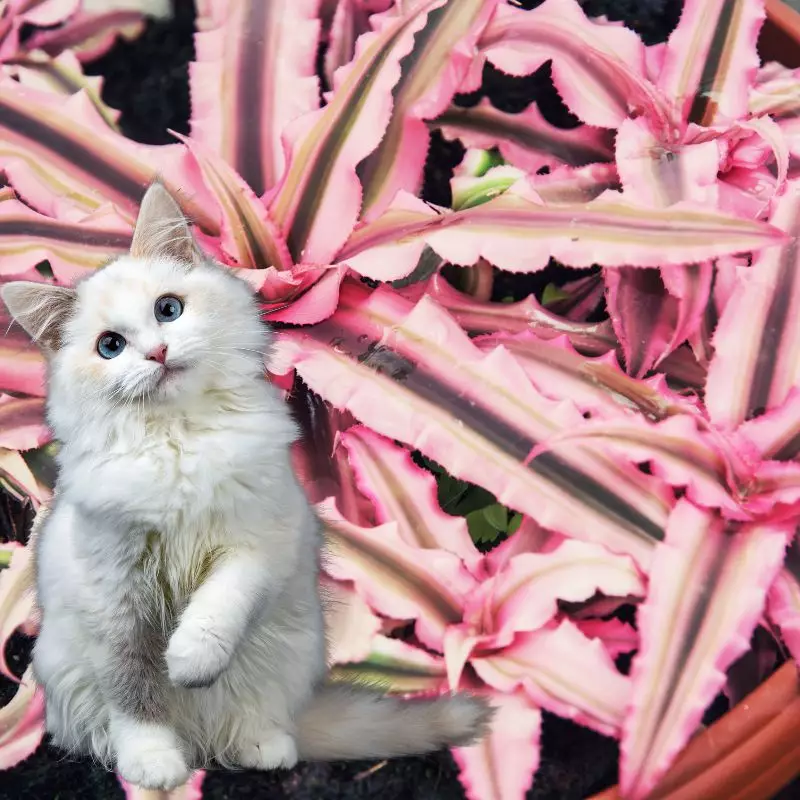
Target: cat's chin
point(171, 375)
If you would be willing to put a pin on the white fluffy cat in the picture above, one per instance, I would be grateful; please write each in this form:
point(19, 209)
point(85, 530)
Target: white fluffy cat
point(177, 567)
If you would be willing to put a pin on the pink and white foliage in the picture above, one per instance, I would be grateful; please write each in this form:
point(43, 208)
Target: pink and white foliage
point(88, 28)
point(680, 184)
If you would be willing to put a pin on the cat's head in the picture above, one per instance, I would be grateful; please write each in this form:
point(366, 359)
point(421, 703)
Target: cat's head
point(158, 325)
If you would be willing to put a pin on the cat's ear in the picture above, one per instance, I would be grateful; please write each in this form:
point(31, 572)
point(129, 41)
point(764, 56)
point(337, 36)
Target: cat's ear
point(41, 309)
point(162, 230)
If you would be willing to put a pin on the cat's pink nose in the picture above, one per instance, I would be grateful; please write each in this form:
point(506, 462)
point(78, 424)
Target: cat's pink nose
point(158, 354)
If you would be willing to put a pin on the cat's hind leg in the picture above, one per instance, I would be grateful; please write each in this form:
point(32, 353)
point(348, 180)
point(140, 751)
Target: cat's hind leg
point(76, 715)
point(268, 748)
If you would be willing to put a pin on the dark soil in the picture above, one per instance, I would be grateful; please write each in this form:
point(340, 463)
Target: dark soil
point(148, 81)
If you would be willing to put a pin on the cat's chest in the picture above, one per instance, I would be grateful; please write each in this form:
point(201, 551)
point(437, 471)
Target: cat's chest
point(172, 479)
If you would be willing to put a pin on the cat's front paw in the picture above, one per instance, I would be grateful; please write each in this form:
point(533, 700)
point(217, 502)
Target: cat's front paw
point(197, 655)
point(151, 758)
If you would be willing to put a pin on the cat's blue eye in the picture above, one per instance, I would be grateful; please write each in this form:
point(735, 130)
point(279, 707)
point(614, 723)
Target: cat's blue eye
point(168, 308)
point(110, 345)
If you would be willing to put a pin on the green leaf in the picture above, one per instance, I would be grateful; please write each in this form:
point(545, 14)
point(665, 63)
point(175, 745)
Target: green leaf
point(41, 463)
point(45, 270)
point(514, 523)
point(552, 294)
point(451, 492)
point(474, 499)
point(480, 529)
point(488, 159)
point(497, 516)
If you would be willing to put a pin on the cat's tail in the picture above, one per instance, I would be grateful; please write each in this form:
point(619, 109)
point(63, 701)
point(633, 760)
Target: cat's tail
point(345, 722)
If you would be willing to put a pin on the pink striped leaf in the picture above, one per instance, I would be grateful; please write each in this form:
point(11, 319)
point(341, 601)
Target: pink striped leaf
point(562, 185)
point(407, 495)
point(430, 75)
point(61, 75)
point(320, 462)
point(89, 34)
point(774, 493)
point(776, 434)
point(757, 365)
point(526, 139)
point(412, 374)
point(71, 248)
point(577, 299)
point(16, 15)
point(551, 666)
point(523, 596)
point(598, 69)
point(305, 295)
point(575, 184)
point(596, 385)
point(529, 538)
point(350, 19)
point(22, 425)
point(55, 147)
point(16, 595)
point(724, 279)
point(397, 579)
point(680, 449)
point(487, 318)
point(501, 766)
point(708, 588)
point(652, 319)
point(319, 198)
point(617, 636)
point(396, 667)
point(249, 237)
point(21, 723)
point(519, 234)
point(660, 175)
point(711, 59)
point(254, 74)
point(783, 600)
point(776, 92)
point(191, 790)
point(350, 624)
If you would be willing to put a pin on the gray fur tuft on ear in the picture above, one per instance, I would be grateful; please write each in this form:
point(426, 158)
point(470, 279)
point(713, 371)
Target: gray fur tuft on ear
point(162, 230)
point(41, 309)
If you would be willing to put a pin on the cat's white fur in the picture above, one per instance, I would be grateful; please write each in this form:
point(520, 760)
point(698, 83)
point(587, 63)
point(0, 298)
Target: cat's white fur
point(177, 567)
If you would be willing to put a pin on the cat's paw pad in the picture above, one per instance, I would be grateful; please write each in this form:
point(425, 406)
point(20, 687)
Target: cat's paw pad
point(154, 764)
point(274, 751)
point(196, 656)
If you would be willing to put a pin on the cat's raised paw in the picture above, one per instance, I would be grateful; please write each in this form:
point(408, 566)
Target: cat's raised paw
point(196, 656)
point(276, 750)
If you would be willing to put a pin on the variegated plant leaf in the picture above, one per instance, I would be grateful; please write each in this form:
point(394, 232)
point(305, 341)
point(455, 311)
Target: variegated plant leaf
point(520, 234)
point(707, 591)
point(711, 59)
point(525, 140)
point(757, 365)
point(253, 75)
point(319, 198)
point(411, 373)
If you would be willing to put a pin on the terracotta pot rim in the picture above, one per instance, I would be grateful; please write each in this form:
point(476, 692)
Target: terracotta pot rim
point(756, 730)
